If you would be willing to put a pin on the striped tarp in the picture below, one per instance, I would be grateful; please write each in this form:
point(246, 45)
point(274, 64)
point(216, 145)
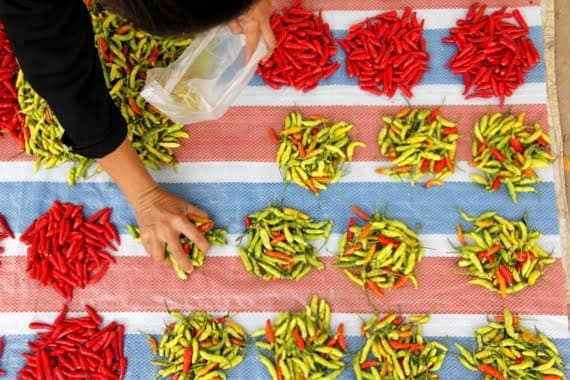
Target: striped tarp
point(227, 168)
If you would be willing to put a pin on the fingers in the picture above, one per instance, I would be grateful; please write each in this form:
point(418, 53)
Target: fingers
point(178, 254)
point(154, 248)
point(252, 37)
point(235, 27)
point(255, 24)
point(192, 233)
point(269, 38)
point(191, 209)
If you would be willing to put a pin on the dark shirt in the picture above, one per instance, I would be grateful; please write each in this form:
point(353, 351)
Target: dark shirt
point(54, 44)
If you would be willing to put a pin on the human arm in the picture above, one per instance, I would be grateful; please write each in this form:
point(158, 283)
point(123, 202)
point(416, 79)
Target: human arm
point(160, 215)
point(54, 43)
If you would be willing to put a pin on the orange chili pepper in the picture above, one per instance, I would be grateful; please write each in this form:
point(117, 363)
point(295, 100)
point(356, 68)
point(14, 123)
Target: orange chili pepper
point(359, 212)
point(269, 331)
point(491, 371)
point(374, 288)
point(299, 339)
point(277, 254)
point(134, 106)
point(340, 337)
point(273, 135)
point(460, 235)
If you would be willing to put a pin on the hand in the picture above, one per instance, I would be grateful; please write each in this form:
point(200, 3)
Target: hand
point(255, 24)
point(162, 217)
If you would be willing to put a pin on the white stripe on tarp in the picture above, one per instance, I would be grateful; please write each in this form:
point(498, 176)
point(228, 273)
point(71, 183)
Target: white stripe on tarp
point(440, 325)
point(230, 172)
point(434, 18)
point(352, 95)
point(436, 245)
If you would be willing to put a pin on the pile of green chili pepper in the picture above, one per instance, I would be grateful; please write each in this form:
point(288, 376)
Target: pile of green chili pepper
point(126, 54)
point(299, 344)
point(419, 142)
point(395, 349)
point(508, 351)
point(507, 152)
point(216, 236)
point(312, 150)
point(380, 254)
point(198, 346)
point(501, 255)
point(278, 243)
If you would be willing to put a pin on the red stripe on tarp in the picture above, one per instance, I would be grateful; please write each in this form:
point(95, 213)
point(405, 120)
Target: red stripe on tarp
point(242, 133)
point(136, 284)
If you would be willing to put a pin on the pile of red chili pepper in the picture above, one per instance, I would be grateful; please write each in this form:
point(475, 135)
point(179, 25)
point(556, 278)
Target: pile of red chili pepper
point(10, 120)
point(76, 348)
point(4, 231)
point(387, 52)
point(2, 372)
point(304, 50)
point(67, 251)
point(493, 54)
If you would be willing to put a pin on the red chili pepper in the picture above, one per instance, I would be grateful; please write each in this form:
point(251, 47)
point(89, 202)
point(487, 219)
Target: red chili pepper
point(516, 144)
point(299, 339)
point(498, 155)
point(491, 371)
point(5, 228)
point(187, 360)
point(359, 212)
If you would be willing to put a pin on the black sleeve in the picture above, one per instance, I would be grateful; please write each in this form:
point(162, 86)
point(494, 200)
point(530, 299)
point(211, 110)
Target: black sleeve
point(54, 44)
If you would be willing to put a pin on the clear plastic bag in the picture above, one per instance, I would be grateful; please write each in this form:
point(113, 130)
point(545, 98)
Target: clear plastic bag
point(205, 80)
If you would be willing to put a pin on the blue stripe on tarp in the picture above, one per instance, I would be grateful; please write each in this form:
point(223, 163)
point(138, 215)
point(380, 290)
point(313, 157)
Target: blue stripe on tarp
point(440, 53)
point(428, 211)
point(138, 355)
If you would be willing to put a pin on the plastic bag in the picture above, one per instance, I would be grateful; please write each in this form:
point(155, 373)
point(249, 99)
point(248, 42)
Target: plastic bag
point(205, 80)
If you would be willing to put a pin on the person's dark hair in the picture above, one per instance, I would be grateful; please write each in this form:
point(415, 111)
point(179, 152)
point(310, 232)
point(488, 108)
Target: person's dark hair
point(178, 17)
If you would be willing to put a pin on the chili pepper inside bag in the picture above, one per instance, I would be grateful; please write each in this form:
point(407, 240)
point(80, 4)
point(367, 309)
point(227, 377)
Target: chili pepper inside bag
point(387, 53)
point(68, 251)
point(75, 348)
point(304, 51)
point(494, 52)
